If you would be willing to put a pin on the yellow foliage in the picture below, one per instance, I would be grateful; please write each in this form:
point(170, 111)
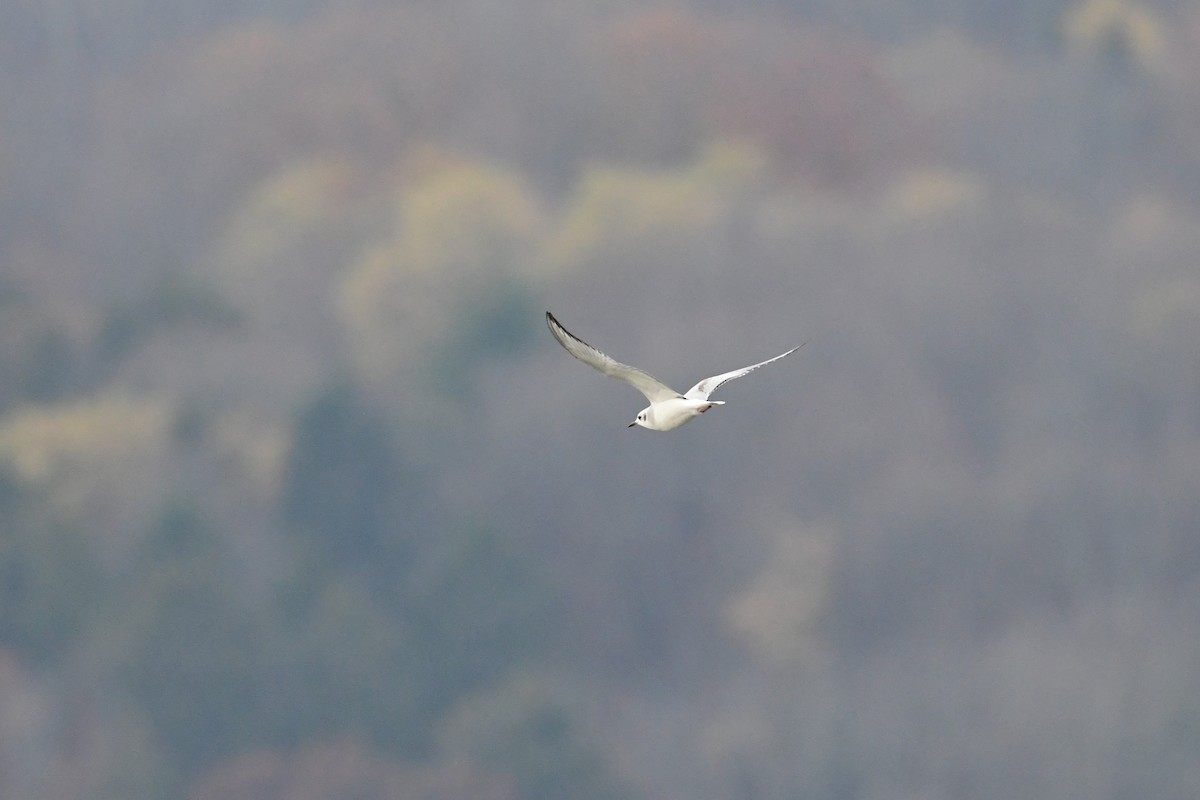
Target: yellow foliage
point(461, 225)
point(922, 194)
point(368, 284)
point(40, 441)
point(614, 206)
point(388, 308)
point(1096, 25)
point(730, 165)
point(103, 463)
point(466, 215)
point(284, 208)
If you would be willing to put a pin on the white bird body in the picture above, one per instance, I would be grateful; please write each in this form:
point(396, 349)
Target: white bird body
point(667, 415)
point(668, 408)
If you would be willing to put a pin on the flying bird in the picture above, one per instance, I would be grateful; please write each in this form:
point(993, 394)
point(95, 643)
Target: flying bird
point(668, 408)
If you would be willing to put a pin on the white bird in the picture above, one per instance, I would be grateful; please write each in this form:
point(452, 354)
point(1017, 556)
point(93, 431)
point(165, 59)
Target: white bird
point(668, 408)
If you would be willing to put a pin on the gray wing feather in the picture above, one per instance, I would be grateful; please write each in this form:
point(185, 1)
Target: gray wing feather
point(654, 389)
point(704, 388)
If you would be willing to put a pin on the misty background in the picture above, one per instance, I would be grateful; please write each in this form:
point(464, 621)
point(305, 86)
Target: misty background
point(300, 500)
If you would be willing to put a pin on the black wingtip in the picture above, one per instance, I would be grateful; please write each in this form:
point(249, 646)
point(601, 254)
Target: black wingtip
point(556, 328)
point(561, 333)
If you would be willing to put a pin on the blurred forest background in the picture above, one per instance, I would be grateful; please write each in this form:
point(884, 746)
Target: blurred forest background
point(299, 499)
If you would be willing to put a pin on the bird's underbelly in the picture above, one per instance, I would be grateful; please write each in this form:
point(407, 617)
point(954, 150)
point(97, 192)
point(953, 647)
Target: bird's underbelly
point(670, 414)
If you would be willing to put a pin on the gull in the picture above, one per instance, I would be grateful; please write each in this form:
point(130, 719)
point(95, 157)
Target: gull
point(668, 408)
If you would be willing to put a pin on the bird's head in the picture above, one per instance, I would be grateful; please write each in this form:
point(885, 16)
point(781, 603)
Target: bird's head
point(642, 419)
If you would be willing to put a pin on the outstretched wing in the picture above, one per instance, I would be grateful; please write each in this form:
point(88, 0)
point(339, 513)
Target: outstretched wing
point(654, 389)
point(704, 388)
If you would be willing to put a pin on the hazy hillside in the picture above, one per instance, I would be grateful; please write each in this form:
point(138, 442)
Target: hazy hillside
point(299, 499)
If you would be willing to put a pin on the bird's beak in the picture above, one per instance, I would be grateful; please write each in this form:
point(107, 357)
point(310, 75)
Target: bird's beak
point(630, 425)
